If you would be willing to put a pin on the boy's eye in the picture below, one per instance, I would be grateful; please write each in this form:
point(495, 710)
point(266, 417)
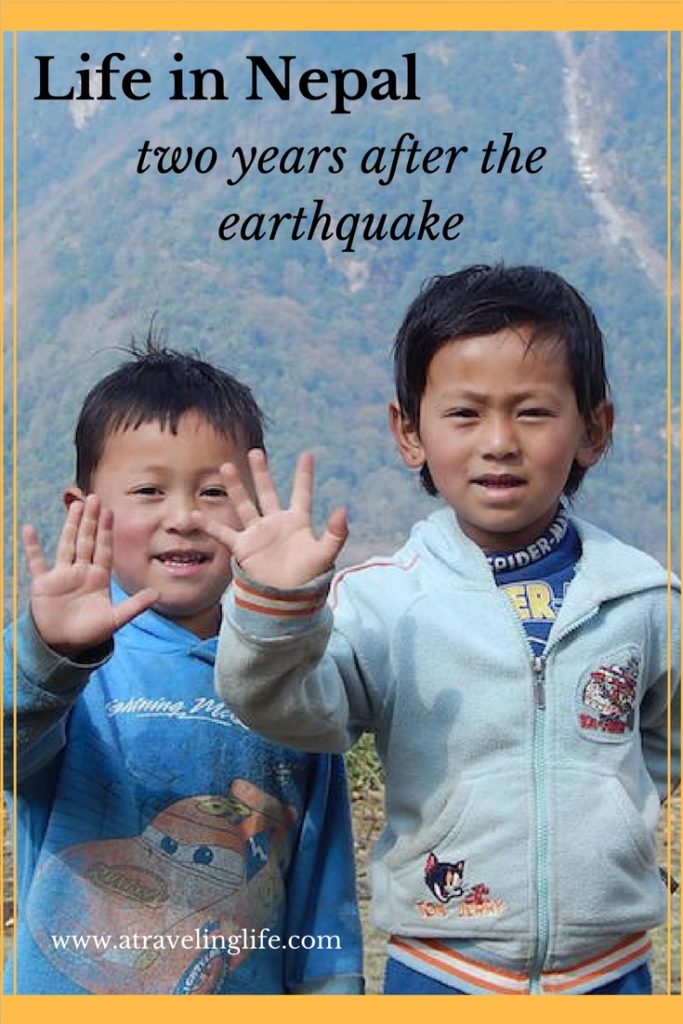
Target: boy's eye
point(462, 414)
point(147, 489)
point(214, 492)
point(535, 413)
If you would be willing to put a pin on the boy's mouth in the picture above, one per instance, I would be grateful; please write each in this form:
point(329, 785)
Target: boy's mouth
point(182, 558)
point(503, 481)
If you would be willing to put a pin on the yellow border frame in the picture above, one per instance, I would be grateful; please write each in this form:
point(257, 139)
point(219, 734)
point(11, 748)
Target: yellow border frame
point(384, 15)
point(363, 15)
point(2, 454)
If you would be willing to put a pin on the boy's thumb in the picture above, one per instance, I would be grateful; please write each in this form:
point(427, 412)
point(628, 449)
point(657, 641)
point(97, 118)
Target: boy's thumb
point(337, 529)
point(135, 605)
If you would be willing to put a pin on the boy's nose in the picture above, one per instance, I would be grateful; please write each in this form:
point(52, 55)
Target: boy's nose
point(501, 441)
point(179, 518)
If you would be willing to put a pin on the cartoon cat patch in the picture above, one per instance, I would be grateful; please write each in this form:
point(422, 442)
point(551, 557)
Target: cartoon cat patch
point(446, 881)
point(608, 697)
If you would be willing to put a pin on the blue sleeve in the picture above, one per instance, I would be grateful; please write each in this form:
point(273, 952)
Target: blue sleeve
point(322, 906)
point(47, 686)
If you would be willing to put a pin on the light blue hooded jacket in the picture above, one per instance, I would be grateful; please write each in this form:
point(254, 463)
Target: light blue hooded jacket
point(538, 781)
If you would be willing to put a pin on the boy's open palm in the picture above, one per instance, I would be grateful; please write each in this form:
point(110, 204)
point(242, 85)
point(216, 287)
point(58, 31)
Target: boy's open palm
point(275, 545)
point(71, 602)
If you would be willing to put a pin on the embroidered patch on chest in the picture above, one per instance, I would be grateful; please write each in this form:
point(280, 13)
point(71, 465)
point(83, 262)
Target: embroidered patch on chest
point(608, 696)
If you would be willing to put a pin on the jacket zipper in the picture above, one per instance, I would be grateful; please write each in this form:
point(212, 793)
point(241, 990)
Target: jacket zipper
point(540, 808)
point(541, 823)
point(538, 665)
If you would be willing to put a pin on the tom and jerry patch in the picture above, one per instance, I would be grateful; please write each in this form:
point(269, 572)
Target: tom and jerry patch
point(607, 696)
point(446, 880)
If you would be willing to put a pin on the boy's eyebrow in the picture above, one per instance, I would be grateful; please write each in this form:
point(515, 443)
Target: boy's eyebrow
point(453, 395)
point(165, 468)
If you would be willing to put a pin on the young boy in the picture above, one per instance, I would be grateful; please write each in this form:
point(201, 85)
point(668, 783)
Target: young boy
point(510, 660)
point(162, 847)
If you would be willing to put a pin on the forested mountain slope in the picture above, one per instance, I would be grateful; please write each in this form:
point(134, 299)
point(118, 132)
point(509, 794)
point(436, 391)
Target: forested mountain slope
point(309, 325)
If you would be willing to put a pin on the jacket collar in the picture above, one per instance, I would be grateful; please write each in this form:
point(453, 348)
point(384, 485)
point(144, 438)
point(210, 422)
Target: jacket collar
point(608, 569)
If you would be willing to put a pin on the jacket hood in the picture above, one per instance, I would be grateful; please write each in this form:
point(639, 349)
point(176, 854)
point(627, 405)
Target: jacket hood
point(614, 569)
point(150, 630)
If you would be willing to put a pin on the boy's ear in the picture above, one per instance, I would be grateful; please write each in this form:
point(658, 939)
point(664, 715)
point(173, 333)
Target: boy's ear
point(598, 435)
point(70, 494)
point(406, 437)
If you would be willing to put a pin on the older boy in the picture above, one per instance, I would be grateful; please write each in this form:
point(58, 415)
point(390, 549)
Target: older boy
point(162, 847)
point(511, 660)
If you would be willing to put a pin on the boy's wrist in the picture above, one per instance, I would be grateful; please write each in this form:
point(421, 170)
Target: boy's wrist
point(85, 656)
point(259, 609)
point(81, 657)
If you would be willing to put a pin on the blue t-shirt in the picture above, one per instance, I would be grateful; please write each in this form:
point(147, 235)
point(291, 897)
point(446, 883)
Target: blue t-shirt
point(162, 847)
point(535, 578)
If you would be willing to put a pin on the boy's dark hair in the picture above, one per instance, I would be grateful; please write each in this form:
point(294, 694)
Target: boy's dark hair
point(483, 300)
point(159, 384)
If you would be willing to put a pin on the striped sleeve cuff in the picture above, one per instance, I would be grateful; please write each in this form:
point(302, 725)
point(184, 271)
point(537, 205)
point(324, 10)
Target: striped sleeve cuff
point(259, 610)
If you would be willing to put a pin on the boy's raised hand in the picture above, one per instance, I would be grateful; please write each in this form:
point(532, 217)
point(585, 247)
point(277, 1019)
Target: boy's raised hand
point(71, 602)
point(275, 545)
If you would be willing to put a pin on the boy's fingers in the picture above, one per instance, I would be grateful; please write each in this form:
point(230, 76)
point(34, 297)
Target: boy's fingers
point(102, 555)
point(34, 553)
point(66, 547)
point(87, 530)
point(302, 488)
point(241, 500)
point(134, 605)
point(263, 482)
point(219, 531)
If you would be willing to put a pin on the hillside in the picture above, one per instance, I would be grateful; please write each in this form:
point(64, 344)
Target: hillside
point(309, 325)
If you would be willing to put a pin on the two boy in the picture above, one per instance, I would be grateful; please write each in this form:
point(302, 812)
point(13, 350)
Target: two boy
point(510, 659)
point(162, 847)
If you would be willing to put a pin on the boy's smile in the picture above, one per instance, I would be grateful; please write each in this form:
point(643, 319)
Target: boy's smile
point(500, 430)
point(152, 480)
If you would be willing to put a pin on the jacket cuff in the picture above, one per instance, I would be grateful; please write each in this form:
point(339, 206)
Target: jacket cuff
point(262, 611)
point(52, 671)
